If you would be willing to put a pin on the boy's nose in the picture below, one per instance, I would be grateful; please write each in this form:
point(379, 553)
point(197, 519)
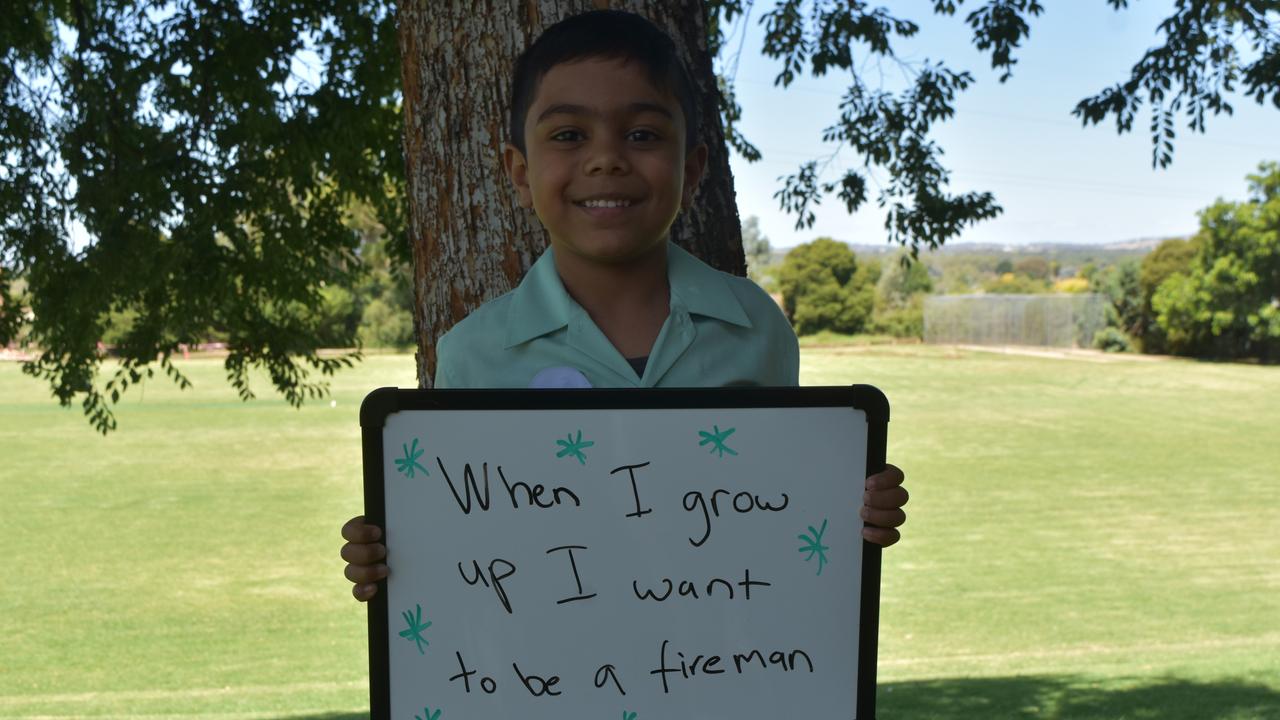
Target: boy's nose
point(606, 159)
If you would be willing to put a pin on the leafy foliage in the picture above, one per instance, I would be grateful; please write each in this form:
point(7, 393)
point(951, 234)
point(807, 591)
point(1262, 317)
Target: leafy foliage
point(385, 325)
point(1119, 284)
point(1227, 305)
point(176, 169)
point(1168, 258)
point(756, 247)
point(1035, 267)
point(383, 292)
point(899, 299)
point(1071, 285)
point(889, 130)
point(1112, 339)
point(1200, 62)
point(824, 287)
point(208, 173)
point(1015, 284)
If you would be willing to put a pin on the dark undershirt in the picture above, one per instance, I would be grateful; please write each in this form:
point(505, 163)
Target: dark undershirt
point(638, 364)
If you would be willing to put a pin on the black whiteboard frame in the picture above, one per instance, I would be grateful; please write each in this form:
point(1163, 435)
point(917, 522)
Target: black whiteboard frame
point(383, 402)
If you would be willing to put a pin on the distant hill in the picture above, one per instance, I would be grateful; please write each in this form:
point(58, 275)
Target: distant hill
point(1073, 253)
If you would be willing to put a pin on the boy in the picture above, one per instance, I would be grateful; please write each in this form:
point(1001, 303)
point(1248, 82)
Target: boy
point(603, 149)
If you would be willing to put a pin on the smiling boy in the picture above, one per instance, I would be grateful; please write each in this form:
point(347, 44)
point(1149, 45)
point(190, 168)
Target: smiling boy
point(603, 149)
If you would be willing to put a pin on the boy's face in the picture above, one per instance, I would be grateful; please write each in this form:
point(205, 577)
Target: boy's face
point(599, 131)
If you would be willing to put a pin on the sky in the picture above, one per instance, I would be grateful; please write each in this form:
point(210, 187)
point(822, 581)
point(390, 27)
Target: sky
point(1057, 181)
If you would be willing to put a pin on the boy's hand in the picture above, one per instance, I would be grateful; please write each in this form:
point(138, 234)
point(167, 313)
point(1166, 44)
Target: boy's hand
point(882, 506)
point(364, 555)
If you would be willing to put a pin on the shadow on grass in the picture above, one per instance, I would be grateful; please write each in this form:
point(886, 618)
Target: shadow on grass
point(1069, 698)
point(1052, 698)
point(328, 716)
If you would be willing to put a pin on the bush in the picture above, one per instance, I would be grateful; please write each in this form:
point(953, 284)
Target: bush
point(905, 321)
point(385, 326)
point(825, 288)
point(1071, 285)
point(1010, 284)
point(1112, 340)
point(336, 317)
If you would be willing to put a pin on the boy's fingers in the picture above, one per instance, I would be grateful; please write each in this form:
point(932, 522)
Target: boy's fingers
point(889, 499)
point(364, 593)
point(884, 518)
point(358, 531)
point(890, 477)
point(365, 574)
point(363, 554)
point(883, 537)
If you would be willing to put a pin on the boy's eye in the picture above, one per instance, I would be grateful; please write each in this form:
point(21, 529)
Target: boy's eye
point(643, 135)
point(567, 136)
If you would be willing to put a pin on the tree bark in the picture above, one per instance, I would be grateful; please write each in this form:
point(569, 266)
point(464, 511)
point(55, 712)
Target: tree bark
point(471, 240)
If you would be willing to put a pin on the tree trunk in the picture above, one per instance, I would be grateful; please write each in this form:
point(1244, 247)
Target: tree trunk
point(471, 240)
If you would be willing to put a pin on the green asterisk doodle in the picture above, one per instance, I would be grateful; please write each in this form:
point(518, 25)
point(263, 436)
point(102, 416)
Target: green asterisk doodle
point(429, 715)
point(717, 439)
point(407, 463)
point(628, 715)
point(574, 447)
point(813, 545)
point(415, 629)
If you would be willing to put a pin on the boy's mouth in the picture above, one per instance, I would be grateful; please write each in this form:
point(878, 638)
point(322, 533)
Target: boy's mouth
point(600, 203)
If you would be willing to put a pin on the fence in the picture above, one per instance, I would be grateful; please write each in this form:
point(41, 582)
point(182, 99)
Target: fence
point(1051, 320)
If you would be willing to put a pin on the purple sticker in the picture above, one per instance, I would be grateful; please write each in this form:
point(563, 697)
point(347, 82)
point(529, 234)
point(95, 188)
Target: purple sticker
point(560, 377)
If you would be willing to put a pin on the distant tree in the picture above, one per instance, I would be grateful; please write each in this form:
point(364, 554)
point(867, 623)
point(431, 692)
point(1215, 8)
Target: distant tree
point(756, 247)
point(1036, 268)
point(1120, 286)
point(960, 274)
point(1004, 266)
point(336, 317)
point(1089, 269)
point(385, 325)
point(899, 306)
point(1227, 304)
point(900, 280)
point(1168, 258)
point(208, 176)
point(385, 290)
point(824, 287)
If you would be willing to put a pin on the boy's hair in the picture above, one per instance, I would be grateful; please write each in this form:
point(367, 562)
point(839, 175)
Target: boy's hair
point(608, 34)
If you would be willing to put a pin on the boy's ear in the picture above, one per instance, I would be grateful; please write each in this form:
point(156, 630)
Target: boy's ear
point(695, 162)
point(518, 170)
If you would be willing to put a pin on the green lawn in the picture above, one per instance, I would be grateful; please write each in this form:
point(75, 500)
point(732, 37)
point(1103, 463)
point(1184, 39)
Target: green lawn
point(1088, 539)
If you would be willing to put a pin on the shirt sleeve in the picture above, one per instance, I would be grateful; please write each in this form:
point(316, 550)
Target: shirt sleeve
point(445, 374)
point(791, 369)
point(782, 340)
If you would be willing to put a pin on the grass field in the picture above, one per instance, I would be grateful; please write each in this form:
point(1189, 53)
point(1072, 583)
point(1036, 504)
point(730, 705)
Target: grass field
point(1088, 538)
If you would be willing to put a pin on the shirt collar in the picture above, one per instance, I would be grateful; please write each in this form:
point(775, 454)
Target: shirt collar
point(540, 304)
point(702, 289)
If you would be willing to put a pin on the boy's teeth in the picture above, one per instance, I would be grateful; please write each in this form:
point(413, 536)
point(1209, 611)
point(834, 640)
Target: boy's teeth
point(605, 203)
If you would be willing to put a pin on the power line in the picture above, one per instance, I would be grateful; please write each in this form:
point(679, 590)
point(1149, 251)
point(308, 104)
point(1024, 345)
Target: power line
point(1029, 119)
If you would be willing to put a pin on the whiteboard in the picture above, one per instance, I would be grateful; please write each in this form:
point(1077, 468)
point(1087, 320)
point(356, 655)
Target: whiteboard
point(637, 553)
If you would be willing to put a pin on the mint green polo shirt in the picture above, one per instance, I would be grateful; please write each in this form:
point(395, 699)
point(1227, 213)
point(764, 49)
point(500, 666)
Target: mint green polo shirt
point(721, 330)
